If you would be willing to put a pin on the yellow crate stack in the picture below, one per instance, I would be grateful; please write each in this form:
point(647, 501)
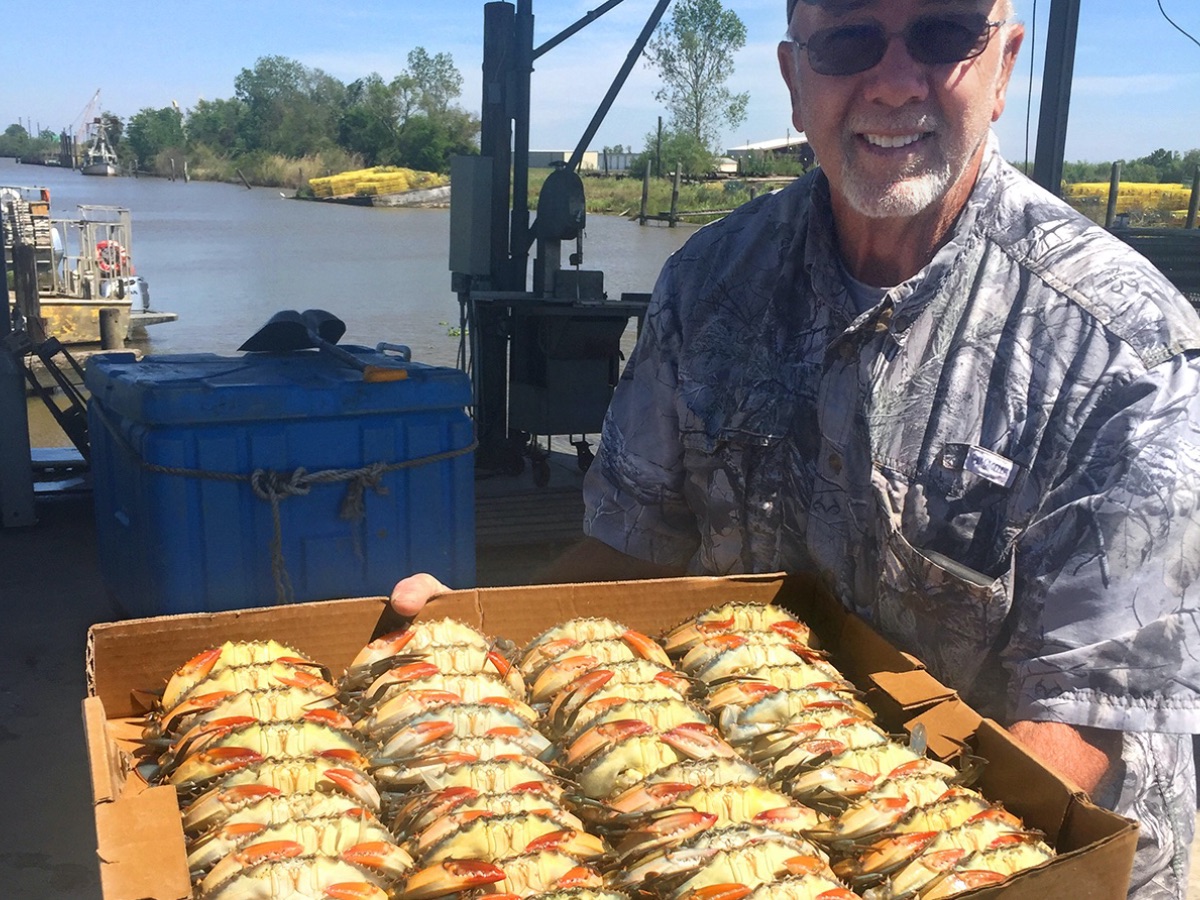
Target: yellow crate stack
point(373, 182)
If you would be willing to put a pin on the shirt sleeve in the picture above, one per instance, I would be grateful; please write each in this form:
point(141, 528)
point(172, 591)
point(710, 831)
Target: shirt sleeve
point(633, 491)
point(1108, 575)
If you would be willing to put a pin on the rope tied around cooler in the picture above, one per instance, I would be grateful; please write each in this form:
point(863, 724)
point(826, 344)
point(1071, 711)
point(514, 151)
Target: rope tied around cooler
point(274, 487)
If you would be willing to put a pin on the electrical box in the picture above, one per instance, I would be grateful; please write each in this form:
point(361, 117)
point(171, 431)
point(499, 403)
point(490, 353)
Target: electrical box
point(471, 215)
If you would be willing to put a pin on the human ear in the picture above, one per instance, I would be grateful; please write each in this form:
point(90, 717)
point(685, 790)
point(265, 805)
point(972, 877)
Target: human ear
point(786, 53)
point(1014, 36)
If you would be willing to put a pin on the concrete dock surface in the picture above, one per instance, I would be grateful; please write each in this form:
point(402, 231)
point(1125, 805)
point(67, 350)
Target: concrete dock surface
point(50, 593)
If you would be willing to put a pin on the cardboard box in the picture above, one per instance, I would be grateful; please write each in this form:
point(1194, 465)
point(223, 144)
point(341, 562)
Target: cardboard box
point(139, 832)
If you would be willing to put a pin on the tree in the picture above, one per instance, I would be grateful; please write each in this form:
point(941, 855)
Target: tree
point(694, 55)
point(152, 131)
point(678, 148)
point(369, 125)
point(217, 124)
point(290, 109)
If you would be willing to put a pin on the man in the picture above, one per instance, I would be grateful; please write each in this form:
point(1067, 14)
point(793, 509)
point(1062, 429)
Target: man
point(973, 412)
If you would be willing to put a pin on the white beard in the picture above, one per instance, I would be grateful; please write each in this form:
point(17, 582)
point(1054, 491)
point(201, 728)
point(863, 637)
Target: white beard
point(904, 198)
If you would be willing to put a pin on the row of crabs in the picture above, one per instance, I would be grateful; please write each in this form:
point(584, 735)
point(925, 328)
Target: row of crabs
point(584, 766)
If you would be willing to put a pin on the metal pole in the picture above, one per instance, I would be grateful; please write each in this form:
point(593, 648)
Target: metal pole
point(488, 329)
point(16, 467)
point(1194, 201)
point(1114, 188)
point(1056, 94)
point(522, 72)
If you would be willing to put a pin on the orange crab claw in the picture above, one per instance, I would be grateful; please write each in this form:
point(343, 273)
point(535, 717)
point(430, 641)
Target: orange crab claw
point(839, 893)
point(568, 673)
point(448, 824)
point(739, 693)
point(354, 890)
point(644, 796)
point(797, 631)
point(330, 717)
point(569, 841)
point(190, 705)
point(954, 883)
point(382, 647)
point(451, 876)
point(699, 741)
point(727, 891)
point(604, 735)
point(805, 865)
point(199, 665)
point(354, 784)
point(240, 829)
point(579, 876)
point(646, 647)
point(664, 830)
point(295, 676)
point(209, 764)
point(267, 850)
point(500, 662)
point(380, 856)
point(404, 742)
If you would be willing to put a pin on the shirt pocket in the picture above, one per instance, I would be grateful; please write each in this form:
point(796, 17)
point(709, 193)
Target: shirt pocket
point(951, 616)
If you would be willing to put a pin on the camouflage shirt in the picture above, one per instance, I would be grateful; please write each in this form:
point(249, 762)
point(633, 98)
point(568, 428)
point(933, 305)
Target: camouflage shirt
point(998, 464)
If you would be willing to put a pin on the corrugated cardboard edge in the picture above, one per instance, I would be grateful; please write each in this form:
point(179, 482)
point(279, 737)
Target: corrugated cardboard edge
point(126, 656)
point(141, 849)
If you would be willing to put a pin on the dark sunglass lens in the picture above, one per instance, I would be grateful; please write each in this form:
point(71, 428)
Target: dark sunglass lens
point(846, 50)
point(937, 41)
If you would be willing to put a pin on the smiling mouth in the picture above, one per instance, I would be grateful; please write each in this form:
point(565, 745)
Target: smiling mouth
point(893, 141)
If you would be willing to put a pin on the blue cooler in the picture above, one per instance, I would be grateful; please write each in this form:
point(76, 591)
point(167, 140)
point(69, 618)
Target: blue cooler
point(230, 482)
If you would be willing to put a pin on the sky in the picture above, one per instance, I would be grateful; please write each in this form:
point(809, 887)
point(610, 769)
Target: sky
point(1136, 87)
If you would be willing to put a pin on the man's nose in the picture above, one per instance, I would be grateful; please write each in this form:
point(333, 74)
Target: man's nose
point(897, 79)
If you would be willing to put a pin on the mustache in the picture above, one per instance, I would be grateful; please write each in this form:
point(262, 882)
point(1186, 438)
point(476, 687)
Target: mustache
point(897, 124)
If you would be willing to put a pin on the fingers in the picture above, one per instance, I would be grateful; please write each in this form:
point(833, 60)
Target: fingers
point(410, 595)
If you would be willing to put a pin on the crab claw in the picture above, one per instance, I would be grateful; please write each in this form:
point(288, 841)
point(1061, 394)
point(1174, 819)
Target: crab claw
point(331, 717)
point(742, 692)
point(190, 673)
point(954, 883)
point(728, 891)
point(354, 784)
point(190, 705)
point(562, 674)
point(211, 807)
point(451, 876)
point(647, 648)
point(661, 831)
point(208, 764)
point(884, 856)
point(805, 865)
point(379, 856)
point(354, 890)
point(788, 819)
point(643, 797)
point(577, 877)
point(267, 850)
point(699, 741)
point(405, 742)
point(718, 643)
point(569, 841)
point(604, 735)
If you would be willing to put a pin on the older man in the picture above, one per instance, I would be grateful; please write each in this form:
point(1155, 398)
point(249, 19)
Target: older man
point(971, 411)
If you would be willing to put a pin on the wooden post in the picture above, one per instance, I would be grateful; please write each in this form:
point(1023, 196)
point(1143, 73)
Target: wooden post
point(187, 179)
point(26, 288)
point(1192, 204)
point(675, 194)
point(1114, 186)
point(111, 337)
point(243, 177)
point(645, 193)
point(172, 168)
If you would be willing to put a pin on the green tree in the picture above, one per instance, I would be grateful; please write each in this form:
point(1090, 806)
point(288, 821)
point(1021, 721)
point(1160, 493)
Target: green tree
point(152, 131)
point(693, 53)
point(678, 148)
point(290, 109)
point(369, 125)
point(15, 141)
point(217, 124)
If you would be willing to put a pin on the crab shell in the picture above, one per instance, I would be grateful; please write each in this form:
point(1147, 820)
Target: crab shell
point(796, 887)
point(628, 645)
point(271, 778)
point(483, 835)
point(826, 743)
point(496, 807)
point(326, 836)
point(282, 869)
point(991, 866)
point(230, 654)
point(751, 865)
point(732, 618)
point(427, 809)
point(660, 715)
point(462, 719)
point(278, 673)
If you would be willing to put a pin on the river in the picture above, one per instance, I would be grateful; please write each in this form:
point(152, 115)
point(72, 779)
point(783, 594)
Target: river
point(225, 259)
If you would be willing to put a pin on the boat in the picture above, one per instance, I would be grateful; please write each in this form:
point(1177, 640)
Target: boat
point(100, 158)
point(80, 267)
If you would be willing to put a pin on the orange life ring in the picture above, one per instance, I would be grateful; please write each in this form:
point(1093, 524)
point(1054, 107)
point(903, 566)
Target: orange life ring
point(112, 259)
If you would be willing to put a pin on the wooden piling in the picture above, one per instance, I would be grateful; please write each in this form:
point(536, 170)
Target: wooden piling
point(1195, 201)
point(1114, 186)
point(675, 195)
point(645, 194)
point(111, 337)
point(243, 177)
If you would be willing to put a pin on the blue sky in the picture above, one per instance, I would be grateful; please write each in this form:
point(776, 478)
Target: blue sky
point(1137, 80)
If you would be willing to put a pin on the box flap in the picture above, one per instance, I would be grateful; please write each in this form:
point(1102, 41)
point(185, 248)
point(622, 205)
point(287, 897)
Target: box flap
point(105, 774)
point(949, 726)
point(912, 690)
point(141, 848)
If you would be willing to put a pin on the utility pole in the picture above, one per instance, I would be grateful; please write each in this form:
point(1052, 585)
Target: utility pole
point(1056, 94)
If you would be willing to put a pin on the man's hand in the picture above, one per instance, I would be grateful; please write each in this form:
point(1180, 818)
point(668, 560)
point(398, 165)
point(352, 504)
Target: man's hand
point(410, 595)
point(1084, 755)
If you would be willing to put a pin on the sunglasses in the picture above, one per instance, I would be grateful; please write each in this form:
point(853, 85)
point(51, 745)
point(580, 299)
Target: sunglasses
point(930, 40)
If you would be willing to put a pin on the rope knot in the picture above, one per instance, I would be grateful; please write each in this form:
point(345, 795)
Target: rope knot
point(275, 486)
point(353, 507)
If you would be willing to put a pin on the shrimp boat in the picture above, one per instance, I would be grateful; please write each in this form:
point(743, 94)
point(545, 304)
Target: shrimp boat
point(80, 266)
point(100, 158)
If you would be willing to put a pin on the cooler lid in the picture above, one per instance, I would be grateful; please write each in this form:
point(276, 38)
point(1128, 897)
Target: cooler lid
point(206, 387)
